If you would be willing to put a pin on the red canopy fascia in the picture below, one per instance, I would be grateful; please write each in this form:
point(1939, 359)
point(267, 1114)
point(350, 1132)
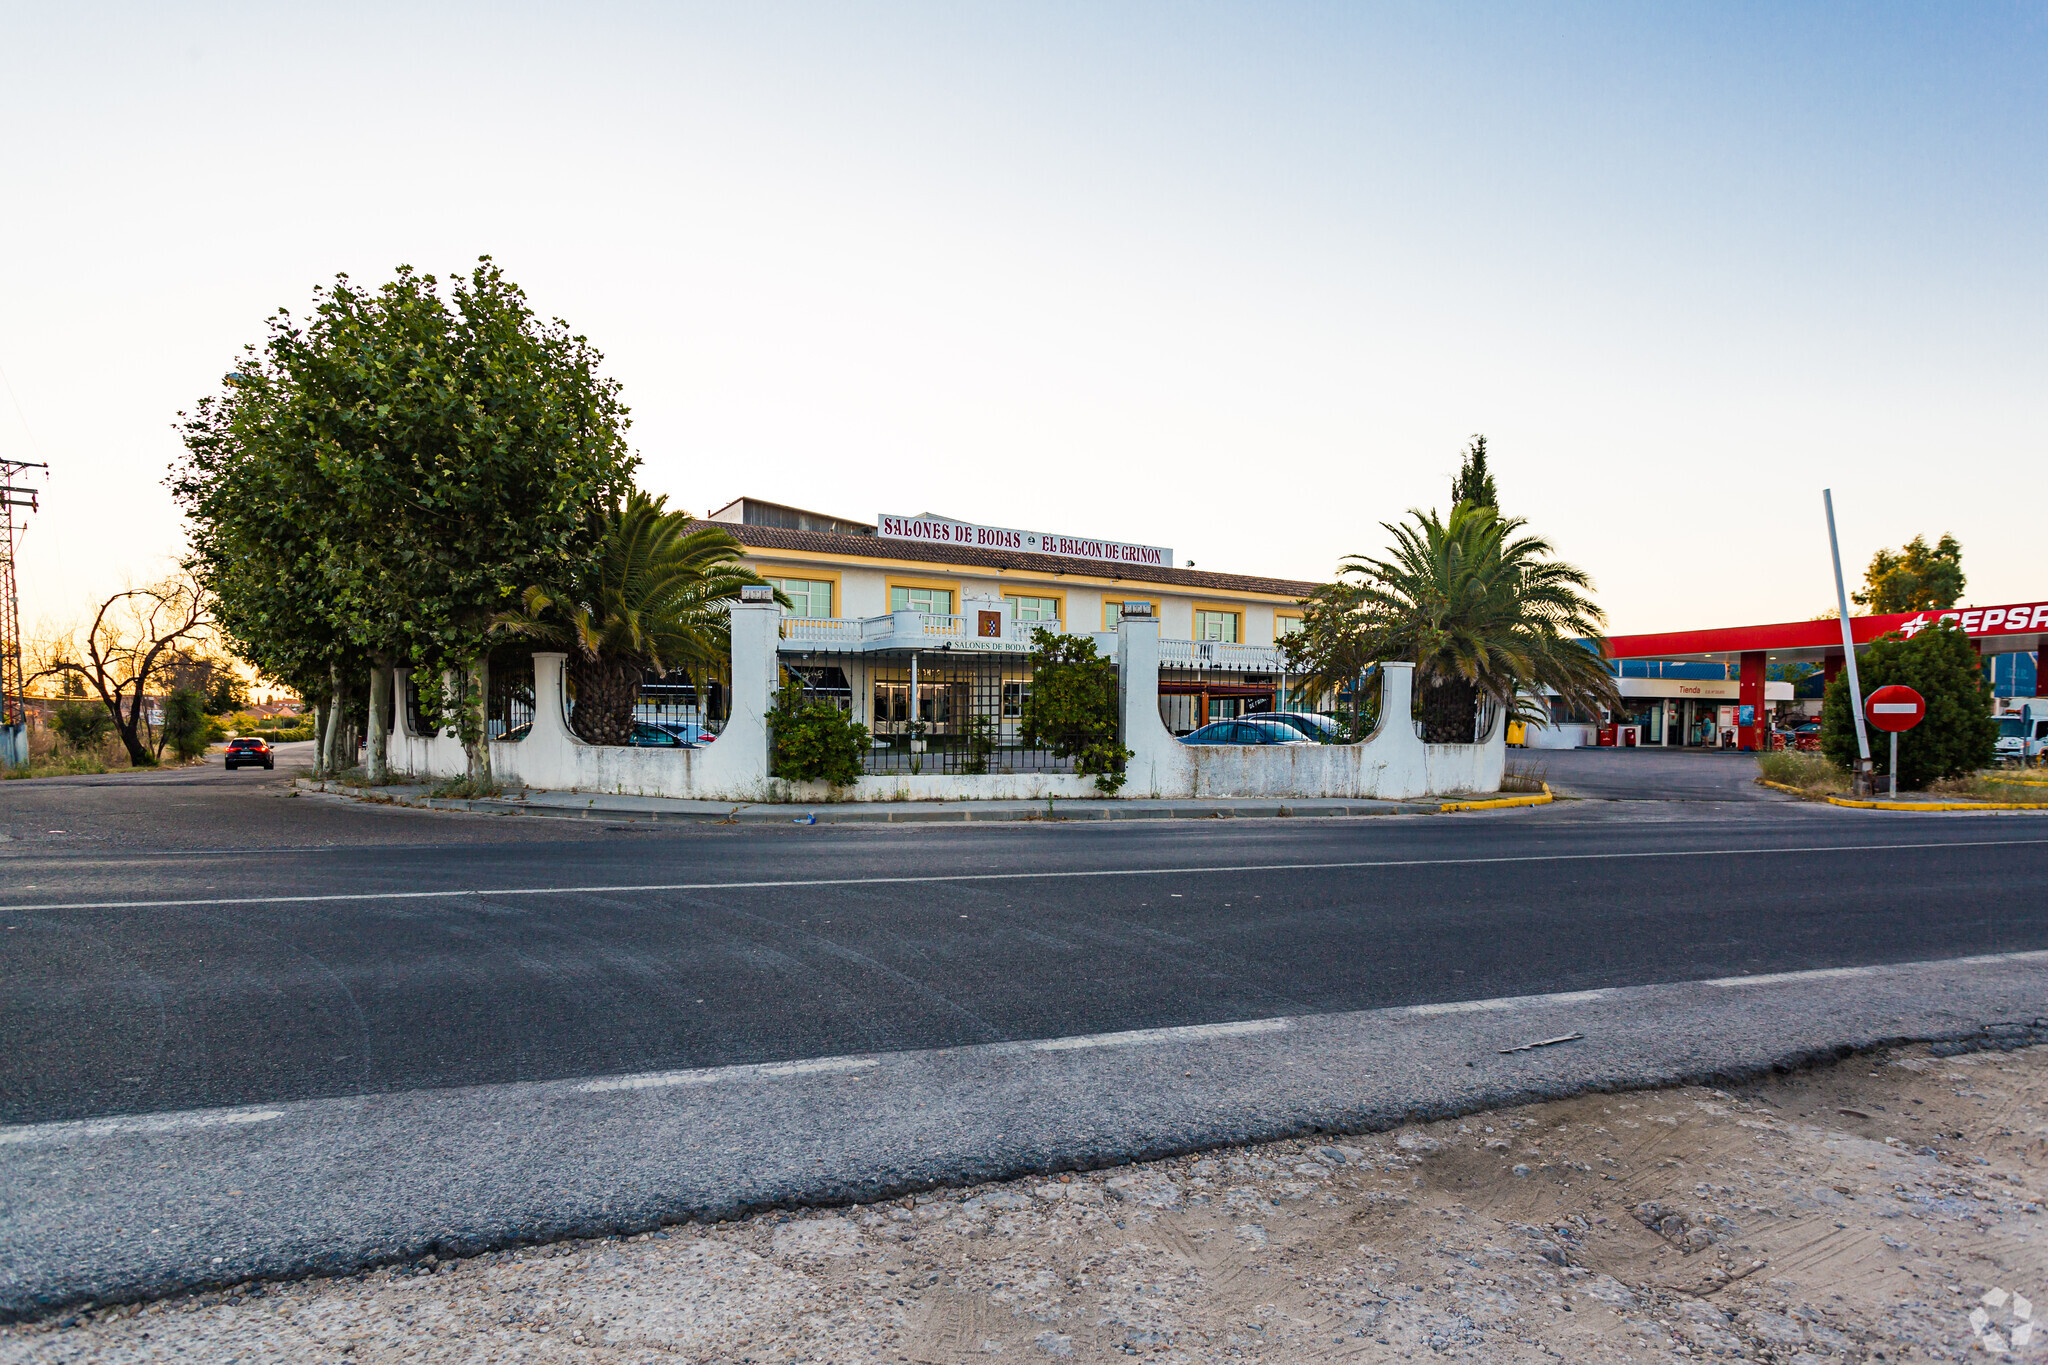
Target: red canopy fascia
point(2021, 623)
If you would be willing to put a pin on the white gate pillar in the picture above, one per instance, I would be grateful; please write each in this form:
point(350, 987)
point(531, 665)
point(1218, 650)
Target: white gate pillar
point(1159, 764)
point(735, 766)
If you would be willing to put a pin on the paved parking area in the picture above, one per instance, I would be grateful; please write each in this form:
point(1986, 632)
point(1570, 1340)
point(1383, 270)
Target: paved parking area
point(1646, 774)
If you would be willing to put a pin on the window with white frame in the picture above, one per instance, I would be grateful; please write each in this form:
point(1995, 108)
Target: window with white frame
point(1284, 626)
point(1034, 610)
point(807, 596)
point(931, 601)
point(1216, 625)
point(1015, 694)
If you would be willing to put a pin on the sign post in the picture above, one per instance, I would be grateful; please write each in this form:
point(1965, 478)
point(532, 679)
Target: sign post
point(1827, 497)
point(1896, 709)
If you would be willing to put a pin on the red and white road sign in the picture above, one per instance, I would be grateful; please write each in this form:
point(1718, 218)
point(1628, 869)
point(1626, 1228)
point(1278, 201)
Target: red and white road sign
point(1895, 708)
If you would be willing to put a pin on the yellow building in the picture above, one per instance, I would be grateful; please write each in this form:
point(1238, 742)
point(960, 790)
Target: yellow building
point(946, 610)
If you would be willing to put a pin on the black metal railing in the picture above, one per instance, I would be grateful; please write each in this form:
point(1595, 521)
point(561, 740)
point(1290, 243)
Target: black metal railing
point(511, 709)
point(960, 715)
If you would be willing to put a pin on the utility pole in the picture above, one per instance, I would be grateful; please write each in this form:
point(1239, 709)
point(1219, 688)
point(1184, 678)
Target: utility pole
point(1862, 776)
point(12, 496)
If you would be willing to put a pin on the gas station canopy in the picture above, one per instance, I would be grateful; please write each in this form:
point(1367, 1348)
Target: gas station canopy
point(1994, 630)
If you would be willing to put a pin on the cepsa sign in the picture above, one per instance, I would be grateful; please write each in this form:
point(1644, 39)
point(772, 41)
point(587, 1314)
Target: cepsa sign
point(943, 531)
point(2026, 619)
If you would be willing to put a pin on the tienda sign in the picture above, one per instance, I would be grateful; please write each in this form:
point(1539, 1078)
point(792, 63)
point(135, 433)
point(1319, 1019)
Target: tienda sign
point(944, 531)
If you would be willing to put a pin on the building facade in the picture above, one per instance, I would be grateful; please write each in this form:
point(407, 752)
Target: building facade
point(923, 626)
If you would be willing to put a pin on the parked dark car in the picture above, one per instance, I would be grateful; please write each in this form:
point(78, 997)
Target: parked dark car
point(645, 736)
point(1321, 729)
point(245, 753)
point(1253, 731)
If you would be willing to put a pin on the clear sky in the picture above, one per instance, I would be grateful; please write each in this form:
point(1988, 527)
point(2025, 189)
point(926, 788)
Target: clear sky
point(1236, 279)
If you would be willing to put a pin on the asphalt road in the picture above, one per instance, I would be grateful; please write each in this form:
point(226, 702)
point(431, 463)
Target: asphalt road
point(176, 961)
point(248, 1034)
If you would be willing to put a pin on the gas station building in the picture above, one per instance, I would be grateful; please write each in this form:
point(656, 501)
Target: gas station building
point(1715, 689)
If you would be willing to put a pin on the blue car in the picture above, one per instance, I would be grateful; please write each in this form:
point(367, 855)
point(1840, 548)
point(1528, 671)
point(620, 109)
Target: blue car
point(1245, 732)
point(645, 736)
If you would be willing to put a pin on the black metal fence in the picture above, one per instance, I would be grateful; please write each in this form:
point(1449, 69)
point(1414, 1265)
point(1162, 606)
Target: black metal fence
point(423, 685)
point(511, 707)
point(959, 714)
point(678, 705)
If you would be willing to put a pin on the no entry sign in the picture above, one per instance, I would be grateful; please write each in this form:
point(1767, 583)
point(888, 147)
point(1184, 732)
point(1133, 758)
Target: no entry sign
point(1895, 708)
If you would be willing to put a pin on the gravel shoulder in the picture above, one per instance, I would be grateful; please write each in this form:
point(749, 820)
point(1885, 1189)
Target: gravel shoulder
point(1859, 1211)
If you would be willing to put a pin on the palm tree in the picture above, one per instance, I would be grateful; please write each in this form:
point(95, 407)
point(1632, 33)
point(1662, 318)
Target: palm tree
point(1484, 614)
point(653, 598)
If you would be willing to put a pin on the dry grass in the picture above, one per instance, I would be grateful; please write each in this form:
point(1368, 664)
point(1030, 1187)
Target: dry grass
point(1810, 773)
point(1524, 776)
point(1990, 786)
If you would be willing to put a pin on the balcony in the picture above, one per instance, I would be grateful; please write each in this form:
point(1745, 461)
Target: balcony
point(914, 630)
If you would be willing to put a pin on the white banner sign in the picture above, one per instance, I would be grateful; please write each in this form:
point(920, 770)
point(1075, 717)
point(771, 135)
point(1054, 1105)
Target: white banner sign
point(940, 531)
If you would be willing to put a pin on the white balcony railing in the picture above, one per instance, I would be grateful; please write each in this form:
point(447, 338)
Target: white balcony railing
point(920, 630)
point(1222, 654)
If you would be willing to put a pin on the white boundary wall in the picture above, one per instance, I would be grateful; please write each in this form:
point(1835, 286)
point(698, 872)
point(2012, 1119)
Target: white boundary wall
point(1392, 764)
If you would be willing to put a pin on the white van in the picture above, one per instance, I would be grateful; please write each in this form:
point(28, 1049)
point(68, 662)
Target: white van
point(2023, 735)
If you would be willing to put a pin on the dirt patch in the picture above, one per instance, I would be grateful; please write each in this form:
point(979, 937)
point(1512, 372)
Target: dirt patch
point(1885, 1209)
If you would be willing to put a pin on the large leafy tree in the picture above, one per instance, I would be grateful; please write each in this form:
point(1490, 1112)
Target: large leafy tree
point(652, 598)
point(1484, 614)
point(1914, 577)
point(1959, 734)
point(265, 526)
point(449, 450)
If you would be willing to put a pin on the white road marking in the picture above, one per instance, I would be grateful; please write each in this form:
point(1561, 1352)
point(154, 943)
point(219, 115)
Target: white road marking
point(1778, 978)
point(1140, 1037)
point(86, 1129)
point(712, 1075)
point(1070, 874)
point(1833, 973)
point(1508, 1002)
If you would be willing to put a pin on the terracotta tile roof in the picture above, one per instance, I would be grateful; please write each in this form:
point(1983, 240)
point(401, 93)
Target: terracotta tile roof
point(822, 542)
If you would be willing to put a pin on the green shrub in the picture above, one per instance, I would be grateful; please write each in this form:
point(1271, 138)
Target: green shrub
point(814, 741)
point(1072, 708)
point(84, 726)
point(1959, 734)
point(981, 744)
point(188, 729)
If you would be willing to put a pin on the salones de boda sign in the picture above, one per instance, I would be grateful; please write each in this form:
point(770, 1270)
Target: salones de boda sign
point(944, 531)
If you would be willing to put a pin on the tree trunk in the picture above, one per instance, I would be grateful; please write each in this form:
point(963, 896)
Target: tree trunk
point(331, 731)
point(380, 701)
point(606, 689)
point(1449, 710)
point(476, 713)
point(321, 711)
point(129, 727)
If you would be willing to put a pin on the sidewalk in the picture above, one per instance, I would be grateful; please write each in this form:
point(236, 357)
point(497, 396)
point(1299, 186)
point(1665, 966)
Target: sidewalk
point(594, 805)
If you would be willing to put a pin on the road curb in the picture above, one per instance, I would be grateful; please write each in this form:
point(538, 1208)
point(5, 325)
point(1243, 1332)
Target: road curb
point(909, 812)
point(1499, 803)
point(1960, 806)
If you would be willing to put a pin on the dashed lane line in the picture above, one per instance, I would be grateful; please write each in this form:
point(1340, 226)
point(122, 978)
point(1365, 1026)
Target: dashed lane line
point(1366, 864)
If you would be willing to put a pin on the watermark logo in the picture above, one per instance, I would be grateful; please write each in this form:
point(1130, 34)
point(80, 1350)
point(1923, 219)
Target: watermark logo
point(1999, 1309)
